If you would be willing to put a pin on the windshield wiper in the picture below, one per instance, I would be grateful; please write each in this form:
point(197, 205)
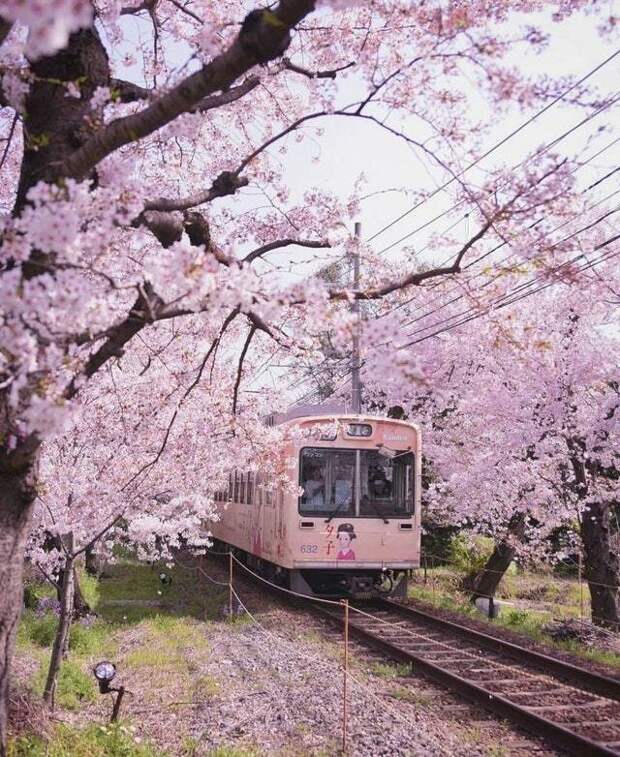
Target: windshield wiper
point(376, 509)
point(335, 512)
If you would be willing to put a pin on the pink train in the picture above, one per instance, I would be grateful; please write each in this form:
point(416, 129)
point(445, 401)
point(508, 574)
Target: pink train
point(354, 530)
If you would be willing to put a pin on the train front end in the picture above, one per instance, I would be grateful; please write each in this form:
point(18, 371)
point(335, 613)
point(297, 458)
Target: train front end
point(354, 528)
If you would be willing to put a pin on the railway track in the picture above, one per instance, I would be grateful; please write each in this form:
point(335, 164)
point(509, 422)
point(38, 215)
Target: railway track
point(574, 709)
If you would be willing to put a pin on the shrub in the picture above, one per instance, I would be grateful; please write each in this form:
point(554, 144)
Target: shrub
point(31, 598)
point(38, 630)
point(470, 553)
point(516, 617)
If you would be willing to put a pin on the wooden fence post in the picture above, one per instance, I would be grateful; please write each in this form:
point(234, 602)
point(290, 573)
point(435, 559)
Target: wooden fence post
point(230, 585)
point(345, 669)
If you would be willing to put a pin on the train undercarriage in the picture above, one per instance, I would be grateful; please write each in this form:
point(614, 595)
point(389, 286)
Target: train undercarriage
point(351, 583)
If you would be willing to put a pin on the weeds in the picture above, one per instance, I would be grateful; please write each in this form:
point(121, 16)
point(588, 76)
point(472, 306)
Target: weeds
point(391, 670)
point(94, 741)
point(74, 687)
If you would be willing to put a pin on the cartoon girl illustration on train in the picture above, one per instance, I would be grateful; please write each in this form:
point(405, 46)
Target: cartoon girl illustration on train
point(345, 535)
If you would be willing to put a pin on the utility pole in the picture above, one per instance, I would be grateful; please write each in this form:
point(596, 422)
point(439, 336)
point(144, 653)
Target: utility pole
point(356, 389)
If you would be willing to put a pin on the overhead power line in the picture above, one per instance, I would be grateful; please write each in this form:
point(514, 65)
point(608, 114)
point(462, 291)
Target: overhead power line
point(496, 146)
point(438, 283)
point(525, 161)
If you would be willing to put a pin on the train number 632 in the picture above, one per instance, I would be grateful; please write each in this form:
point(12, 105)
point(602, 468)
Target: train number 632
point(309, 548)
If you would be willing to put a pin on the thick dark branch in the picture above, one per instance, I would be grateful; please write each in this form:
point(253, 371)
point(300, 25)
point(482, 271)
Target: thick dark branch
point(265, 38)
point(167, 227)
point(415, 279)
point(145, 310)
point(145, 5)
point(228, 96)
point(327, 74)
point(128, 92)
point(5, 29)
point(283, 243)
point(244, 351)
point(227, 183)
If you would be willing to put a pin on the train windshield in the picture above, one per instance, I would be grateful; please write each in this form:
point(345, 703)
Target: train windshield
point(355, 483)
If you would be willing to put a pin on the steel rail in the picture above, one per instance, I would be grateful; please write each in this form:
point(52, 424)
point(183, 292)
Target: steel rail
point(560, 735)
point(587, 679)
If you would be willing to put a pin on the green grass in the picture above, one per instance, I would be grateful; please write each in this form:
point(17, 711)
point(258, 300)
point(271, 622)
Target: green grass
point(136, 594)
point(74, 688)
point(170, 641)
point(408, 694)
point(551, 597)
point(94, 741)
point(390, 669)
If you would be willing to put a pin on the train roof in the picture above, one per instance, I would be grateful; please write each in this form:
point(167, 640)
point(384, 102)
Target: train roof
point(353, 417)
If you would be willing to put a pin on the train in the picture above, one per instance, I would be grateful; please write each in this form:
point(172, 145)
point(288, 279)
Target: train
point(352, 526)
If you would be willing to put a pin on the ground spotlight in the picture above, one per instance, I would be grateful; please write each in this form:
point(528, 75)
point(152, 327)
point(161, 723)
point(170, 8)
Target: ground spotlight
point(165, 579)
point(104, 672)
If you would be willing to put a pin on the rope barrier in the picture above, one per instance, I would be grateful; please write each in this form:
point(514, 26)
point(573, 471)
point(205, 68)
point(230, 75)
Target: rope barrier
point(323, 664)
point(400, 628)
point(282, 589)
point(202, 572)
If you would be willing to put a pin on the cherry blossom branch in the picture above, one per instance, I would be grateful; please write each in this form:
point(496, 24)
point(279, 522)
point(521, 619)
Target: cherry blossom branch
point(415, 278)
point(327, 74)
point(229, 319)
point(145, 309)
point(226, 183)
point(128, 92)
point(267, 39)
point(244, 352)
point(187, 11)
point(259, 251)
point(228, 96)
point(145, 5)
point(98, 536)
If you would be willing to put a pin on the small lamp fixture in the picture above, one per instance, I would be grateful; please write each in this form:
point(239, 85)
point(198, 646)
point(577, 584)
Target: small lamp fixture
point(165, 579)
point(104, 672)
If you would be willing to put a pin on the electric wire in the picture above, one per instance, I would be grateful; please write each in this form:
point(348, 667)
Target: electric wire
point(503, 141)
point(525, 161)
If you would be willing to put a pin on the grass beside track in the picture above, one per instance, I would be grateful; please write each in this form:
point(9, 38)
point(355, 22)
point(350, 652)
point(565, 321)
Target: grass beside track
point(536, 600)
point(131, 603)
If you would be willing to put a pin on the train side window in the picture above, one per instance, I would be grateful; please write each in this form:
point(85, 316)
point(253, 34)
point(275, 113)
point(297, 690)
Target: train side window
point(259, 489)
point(268, 496)
point(236, 492)
point(242, 487)
point(250, 490)
point(230, 487)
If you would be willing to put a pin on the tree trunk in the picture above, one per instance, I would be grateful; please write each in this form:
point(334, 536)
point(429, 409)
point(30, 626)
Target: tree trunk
point(485, 582)
point(601, 565)
point(61, 641)
point(80, 605)
point(81, 608)
point(600, 560)
point(16, 501)
point(93, 563)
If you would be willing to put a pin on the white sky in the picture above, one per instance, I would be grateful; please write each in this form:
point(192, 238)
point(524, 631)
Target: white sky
point(350, 148)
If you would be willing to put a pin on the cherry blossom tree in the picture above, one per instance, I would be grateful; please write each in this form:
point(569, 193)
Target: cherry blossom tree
point(126, 159)
point(523, 432)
